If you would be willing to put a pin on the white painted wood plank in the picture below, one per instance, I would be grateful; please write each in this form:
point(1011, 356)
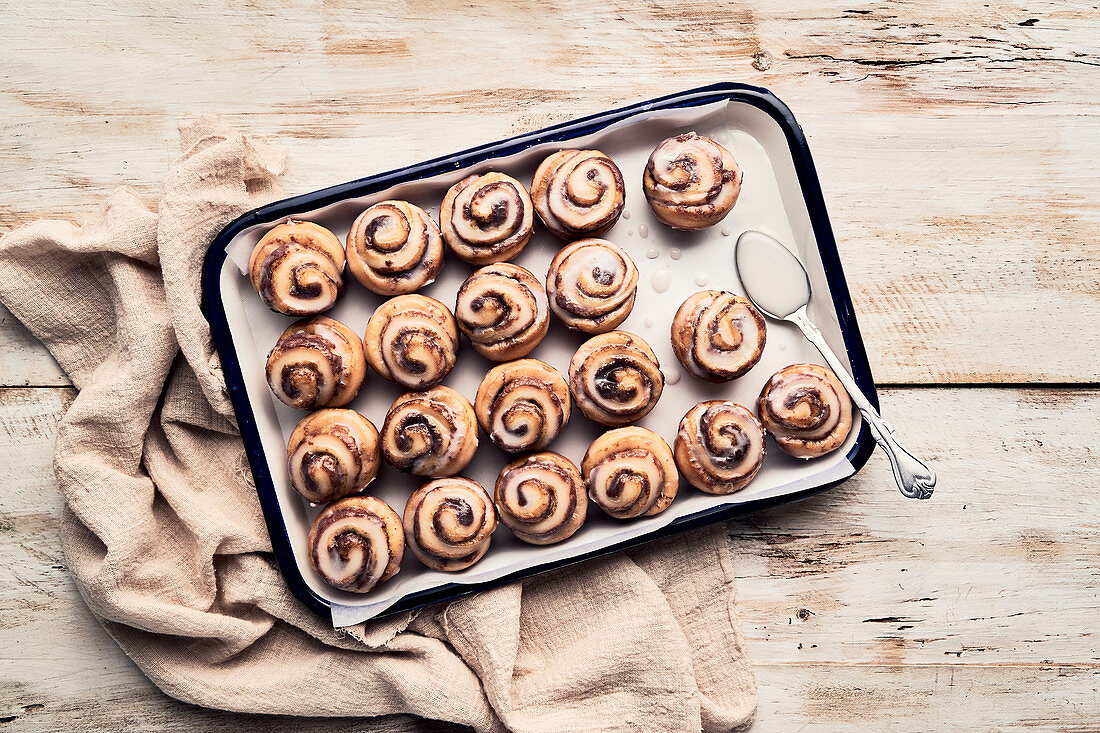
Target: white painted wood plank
point(956, 147)
point(24, 361)
point(859, 607)
point(857, 699)
point(999, 567)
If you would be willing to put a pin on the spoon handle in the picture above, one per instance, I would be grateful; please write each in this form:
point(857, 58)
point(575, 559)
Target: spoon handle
point(915, 479)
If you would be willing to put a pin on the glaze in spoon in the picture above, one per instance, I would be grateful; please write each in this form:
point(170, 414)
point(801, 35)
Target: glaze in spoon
point(778, 285)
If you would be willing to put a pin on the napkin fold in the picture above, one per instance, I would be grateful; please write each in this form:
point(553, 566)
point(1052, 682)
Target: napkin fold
point(163, 533)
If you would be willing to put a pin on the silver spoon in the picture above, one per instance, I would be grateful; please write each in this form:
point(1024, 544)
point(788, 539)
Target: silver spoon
point(777, 284)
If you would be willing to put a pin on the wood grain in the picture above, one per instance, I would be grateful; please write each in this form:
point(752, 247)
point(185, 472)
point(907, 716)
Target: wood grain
point(955, 147)
point(24, 361)
point(991, 571)
point(857, 605)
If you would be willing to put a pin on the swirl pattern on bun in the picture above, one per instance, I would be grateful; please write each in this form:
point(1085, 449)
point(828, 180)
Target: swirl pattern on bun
point(297, 268)
point(615, 378)
point(691, 182)
point(502, 310)
point(719, 447)
point(412, 340)
point(591, 285)
point(331, 454)
point(718, 336)
point(523, 405)
point(630, 472)
point(449, 523)
point(487, 218)
point(356, 543)
point(394, 247)
point(578, 193)
point(806, 409)
point(541, 498)
point(431, 433)
point(317, 362)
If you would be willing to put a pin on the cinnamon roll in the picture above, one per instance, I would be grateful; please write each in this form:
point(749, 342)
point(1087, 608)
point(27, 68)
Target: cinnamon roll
point(719, 446)
point(718, 336)
point(691, 181)
point(541, 498)
point(522, 405)
point(356, 543)
point(412, 340)
point(502, 310)
point(431, 433)
point(578, 193)
point(487, 218)
point(630, 472)
point(394, 247)
point(449, 523)
point(317, 362)
point(615, 378)
point(298, 268)
point(332, 453)
point(591, 285)
point(806, 409)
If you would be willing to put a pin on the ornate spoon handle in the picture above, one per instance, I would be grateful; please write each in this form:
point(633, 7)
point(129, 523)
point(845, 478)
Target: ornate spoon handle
point(915, 479)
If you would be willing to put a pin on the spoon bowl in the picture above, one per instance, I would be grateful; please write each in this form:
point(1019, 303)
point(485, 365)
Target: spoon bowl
point(774, 279)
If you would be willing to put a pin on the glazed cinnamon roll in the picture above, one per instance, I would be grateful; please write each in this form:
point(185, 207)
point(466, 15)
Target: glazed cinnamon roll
point(431, 433)
point(356, 543)
point(522, 405)
point(615, 378)
point(502, 310)
point(298, 268)
point(487, 218)
point(719, 446)
point(630, 472)
point(691, 181)
point(449, 523)
point(718, 336)
point(332, 453)
point(591, 285)
point(578, 193)
point(412, 340)
point(806, 409)
point(541, 498)
point(317, 362)
point(394, 247)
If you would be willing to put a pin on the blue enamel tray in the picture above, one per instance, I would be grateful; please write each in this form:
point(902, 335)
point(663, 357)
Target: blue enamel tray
point(757, 126)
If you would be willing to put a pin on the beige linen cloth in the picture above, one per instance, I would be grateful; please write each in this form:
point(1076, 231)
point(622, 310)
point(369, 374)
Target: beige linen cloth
point(163, 533)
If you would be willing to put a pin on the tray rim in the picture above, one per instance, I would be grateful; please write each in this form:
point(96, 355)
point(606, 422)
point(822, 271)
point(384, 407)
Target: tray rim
point(214, 311)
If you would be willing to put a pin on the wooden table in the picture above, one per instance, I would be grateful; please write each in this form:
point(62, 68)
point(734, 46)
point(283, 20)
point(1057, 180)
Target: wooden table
point(958, 153)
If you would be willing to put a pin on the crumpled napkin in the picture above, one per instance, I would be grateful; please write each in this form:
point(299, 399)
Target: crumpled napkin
point(163, 533)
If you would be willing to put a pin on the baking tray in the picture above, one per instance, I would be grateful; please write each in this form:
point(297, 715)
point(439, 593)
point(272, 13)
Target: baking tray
point(780, 195)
